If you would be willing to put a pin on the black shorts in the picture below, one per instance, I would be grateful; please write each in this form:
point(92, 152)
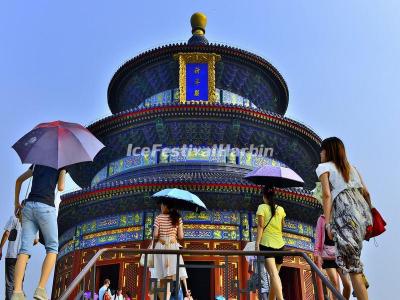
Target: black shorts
point(329, 264)
point(278, 258)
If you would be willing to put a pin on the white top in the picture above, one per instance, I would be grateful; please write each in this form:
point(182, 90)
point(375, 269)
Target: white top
point(250, 246)
point(13, 246)
point(118, 297)
point(153, 273)
point(336, 179)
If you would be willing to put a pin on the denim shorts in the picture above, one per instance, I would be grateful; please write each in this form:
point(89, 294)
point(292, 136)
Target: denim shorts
point(35, 216)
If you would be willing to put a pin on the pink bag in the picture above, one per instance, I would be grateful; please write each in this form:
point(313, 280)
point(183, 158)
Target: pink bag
point(328, 252)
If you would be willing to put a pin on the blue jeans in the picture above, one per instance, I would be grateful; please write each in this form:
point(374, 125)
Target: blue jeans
point(10, 270)
point(35, 216)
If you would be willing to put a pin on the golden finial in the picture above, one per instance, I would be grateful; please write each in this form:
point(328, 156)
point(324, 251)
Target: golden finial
point(198, 22)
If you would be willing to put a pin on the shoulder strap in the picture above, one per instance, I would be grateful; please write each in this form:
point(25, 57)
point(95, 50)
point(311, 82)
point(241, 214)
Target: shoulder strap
point(267, 223)
point(269, 220)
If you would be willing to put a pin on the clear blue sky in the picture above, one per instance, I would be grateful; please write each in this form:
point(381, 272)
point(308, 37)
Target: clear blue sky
point(341, 61)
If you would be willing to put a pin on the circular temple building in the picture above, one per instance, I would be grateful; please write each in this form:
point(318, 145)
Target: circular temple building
point(180, 113)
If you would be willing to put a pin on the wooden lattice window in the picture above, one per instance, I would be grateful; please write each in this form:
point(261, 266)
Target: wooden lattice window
point(232, 276)
point(58, 286)
point(58, 269)
point(67, 280)
point(68, 262)
point(61, 264)
point(88, 280)
point(288, 260)
point(131, 277)
point(308, 285)
point(226, 246)
point(197, 246)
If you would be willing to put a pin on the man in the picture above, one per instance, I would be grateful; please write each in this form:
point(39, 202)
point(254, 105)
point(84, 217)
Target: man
point(104, 288)
point(12, 233)
point(39, 212)
point(254, 269)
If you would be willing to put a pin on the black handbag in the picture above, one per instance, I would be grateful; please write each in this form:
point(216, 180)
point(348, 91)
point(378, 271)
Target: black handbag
point(13, 235)
point(173, 288)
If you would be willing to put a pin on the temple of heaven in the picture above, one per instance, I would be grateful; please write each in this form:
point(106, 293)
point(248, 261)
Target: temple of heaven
point(196, 116)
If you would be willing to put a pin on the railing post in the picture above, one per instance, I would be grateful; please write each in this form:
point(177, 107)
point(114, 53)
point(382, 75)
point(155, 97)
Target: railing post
point(84, 283)
point(324, 290)
point(259, 277)
point(177, 277)
point(144, 278)
point(226, 278)
point(94, 281)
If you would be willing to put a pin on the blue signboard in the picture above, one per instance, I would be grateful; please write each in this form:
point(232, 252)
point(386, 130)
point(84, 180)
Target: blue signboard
point(197, 82)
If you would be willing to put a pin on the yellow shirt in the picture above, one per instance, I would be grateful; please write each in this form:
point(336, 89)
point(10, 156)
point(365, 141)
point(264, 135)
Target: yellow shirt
point(272, 235)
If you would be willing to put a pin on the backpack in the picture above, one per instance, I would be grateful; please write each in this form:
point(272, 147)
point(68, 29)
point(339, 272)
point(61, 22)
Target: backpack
point(13, 232)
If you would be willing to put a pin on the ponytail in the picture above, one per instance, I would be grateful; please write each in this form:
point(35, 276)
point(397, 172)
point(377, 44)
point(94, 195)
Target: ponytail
point(172, 212)
point(175, 216)
point(269, 194)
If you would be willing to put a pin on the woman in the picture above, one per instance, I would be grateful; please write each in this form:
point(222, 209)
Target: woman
point(168, 228)
point(347, 209)
point(128, 295)
point(270, 220)
point(324, 251)
point(39, 212)
point(118, 295)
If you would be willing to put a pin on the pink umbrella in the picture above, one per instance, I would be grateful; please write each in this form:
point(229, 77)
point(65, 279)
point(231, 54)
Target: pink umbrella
point(57, 144)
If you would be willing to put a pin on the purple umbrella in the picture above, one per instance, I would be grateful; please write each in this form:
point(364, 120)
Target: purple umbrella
point(88, 294)
point(275, 176)
point(57, 144)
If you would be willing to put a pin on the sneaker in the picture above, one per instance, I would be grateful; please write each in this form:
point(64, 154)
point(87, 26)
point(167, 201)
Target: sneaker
point(40, 294)
point(18, 296)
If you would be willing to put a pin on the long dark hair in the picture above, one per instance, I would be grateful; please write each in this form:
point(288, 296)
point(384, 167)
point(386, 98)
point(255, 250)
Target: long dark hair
point(269, 193)
point(173, 212)
point(336, 153)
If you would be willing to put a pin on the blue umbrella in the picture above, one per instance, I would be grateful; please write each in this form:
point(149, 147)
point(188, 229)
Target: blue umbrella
point(181, 199)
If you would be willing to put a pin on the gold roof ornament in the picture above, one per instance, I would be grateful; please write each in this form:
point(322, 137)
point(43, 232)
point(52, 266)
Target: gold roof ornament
point(199, 23)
